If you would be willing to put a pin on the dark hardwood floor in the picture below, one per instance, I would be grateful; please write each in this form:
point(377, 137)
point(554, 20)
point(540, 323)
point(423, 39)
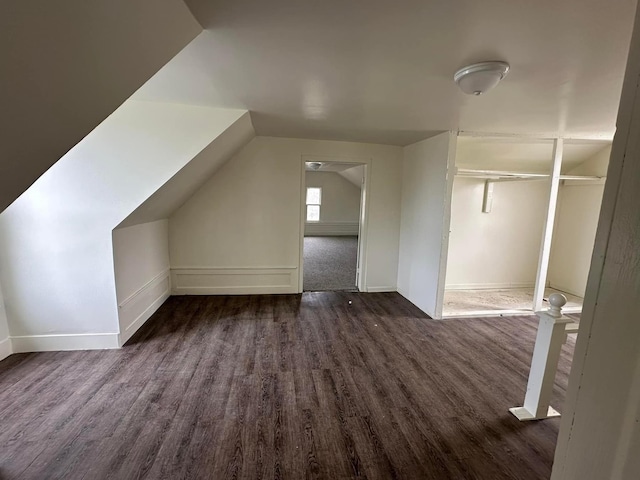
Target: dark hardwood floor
point(291, 387)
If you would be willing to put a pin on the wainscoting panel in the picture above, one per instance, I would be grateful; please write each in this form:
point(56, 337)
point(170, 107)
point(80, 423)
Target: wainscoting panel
point(234, 281)
point(331, 228)
point(138, 307)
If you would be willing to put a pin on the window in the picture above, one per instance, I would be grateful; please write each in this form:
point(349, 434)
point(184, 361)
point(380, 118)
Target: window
point(314, 200)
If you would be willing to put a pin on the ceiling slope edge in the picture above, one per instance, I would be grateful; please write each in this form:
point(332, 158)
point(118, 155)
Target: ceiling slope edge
point(181, 186)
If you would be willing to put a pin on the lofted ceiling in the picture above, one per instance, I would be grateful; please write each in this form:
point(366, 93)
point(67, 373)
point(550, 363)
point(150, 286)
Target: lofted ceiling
point(379, 71)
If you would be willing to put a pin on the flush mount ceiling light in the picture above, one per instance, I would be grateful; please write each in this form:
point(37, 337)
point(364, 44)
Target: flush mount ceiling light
point(314, 165)
point(480, 77)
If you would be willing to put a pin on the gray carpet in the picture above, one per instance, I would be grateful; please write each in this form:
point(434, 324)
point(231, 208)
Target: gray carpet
point(330, 263)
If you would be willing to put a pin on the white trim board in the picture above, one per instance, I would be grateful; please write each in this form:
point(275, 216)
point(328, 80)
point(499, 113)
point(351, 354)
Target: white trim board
point(143, 317)
point(233, 281)
point(487, 313)
point(62, 342)
point(566, 290)
point(136, 309)
point(382, 289)
point(5, 348)
point(162, 275)
point(489, 286)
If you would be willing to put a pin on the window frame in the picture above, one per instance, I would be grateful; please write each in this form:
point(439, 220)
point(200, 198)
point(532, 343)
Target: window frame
point(308, 204)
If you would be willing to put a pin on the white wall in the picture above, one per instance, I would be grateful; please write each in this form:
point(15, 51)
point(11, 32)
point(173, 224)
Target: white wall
point(426, 188)
point(67, 66)
point(340, 209)
point(575, 229)
point(141, 266)
point(574, 236)
point(499, 249)
point(5, 341)
point(168, 198)
point(241, 231)
point(56, 254)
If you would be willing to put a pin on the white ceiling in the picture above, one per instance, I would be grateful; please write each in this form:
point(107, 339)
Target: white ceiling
point(521, 155)
point(380, 71)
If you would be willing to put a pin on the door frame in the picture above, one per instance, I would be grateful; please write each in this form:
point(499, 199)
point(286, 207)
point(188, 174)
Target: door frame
point(363, 221)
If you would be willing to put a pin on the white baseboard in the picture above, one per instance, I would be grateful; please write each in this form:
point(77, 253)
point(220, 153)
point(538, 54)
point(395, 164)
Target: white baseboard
point(381, 289)
point(5, 348)
point(233, 281)
point(138, 307)
point(489, 286)
point(331, 229)
point(58, 342)
point(566, 290)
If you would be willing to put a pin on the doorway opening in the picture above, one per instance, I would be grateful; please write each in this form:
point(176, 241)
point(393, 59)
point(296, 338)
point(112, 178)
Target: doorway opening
point(333, 215)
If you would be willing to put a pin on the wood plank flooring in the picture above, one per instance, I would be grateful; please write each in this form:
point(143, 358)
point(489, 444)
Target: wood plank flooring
point(284, 387)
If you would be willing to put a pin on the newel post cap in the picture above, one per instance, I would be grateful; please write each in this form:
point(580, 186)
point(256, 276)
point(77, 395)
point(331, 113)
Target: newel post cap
point(557, 301)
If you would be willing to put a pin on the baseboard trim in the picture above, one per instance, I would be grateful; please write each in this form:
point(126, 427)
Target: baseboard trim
point(138, 307)
point(381, 289)
point(63, 342)
point(489, 286)
point(143, 317)
point(566, 290)
point(234, 281)
point(5, 348)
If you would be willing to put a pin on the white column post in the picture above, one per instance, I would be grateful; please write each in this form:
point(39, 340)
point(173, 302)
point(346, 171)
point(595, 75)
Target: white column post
point(547, 233)
point(546, 353)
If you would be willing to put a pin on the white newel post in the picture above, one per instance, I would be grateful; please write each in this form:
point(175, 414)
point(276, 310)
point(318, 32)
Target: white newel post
point(546, 353)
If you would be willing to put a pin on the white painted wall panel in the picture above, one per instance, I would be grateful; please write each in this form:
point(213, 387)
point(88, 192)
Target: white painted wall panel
point(499, 249)
point(600, 430)
point(574, 237)
point(247, 216)
point(426, 179)
point(575, 230)
point(141, 266)
point(56, 254)
point(5, 342)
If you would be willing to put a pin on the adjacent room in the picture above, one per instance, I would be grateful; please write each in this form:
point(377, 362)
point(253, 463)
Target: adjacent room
point(319, 240)
point(332, 225)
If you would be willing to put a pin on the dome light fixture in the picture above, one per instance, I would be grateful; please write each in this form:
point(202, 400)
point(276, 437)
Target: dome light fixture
point(480, 77)
point(314, 165)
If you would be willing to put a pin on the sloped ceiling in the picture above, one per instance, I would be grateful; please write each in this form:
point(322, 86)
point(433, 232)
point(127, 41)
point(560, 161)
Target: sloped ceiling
point(381, 72)
point(354, 175)
point(173, 194)
point(67, 65)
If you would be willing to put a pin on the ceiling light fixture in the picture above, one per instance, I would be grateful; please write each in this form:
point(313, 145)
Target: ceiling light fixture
point(480, 77)
point(314, 165)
